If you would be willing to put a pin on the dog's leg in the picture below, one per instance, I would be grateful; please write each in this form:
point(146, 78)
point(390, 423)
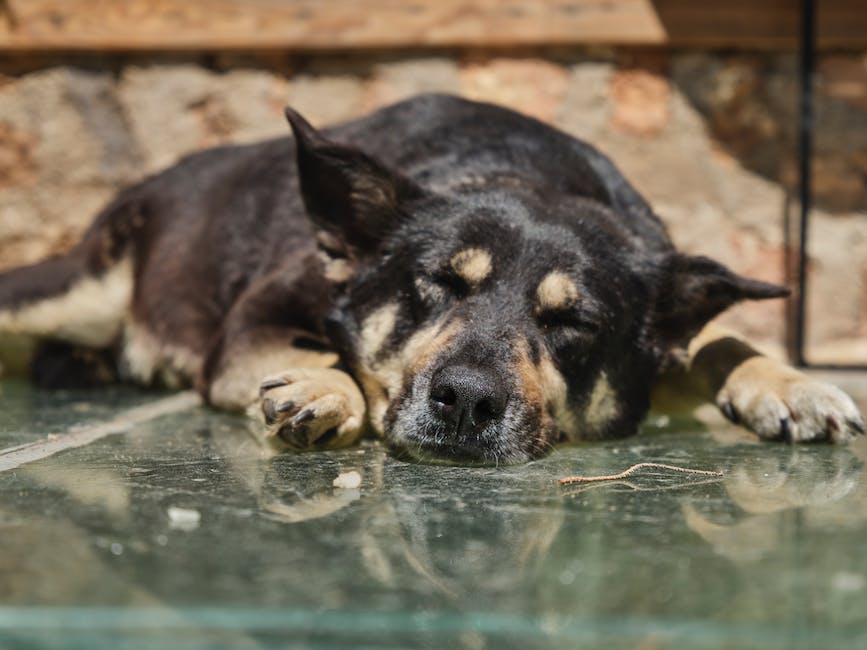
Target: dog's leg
point(80, 298)
point(243, 365)
point(268, 364)
point(61, 299)
point(62, 365)
point(304, 402)
point(769, 397)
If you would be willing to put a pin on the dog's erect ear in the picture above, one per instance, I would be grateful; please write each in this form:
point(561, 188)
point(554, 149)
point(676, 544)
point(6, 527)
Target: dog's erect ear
point(694, 290)
point(353, 197)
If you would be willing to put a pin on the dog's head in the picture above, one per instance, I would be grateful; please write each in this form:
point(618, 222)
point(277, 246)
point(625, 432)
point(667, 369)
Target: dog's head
point(491, 321)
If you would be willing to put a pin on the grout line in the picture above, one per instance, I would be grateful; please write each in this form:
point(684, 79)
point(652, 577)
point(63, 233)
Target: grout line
point(13, 457)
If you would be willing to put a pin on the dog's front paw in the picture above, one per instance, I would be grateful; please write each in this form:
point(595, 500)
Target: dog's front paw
point(312, 408)
point(780, 403)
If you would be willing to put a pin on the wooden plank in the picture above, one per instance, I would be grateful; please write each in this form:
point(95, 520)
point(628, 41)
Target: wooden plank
point(745, 23)
point(135, 25)
point(761, 23)
point(319, 24)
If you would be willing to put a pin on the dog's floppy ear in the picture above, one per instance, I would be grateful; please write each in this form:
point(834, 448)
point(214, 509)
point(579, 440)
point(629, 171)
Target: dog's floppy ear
point(695, 289)
point(348, 194)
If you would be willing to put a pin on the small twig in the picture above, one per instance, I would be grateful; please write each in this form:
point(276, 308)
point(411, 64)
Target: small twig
point(613, 477)
point(637, 488)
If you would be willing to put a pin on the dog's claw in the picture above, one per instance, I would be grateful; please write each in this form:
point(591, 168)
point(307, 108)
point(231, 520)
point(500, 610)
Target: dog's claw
point(284, 407)
point(268, 384)
point(294, 438)
point(268, 411)
point(729, 411)
point(786, 430)
point(304, 416)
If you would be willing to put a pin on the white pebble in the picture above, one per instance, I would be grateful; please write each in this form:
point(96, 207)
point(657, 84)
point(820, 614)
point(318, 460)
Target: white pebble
point(184, 518)
point(847, 582)
point(347, 480)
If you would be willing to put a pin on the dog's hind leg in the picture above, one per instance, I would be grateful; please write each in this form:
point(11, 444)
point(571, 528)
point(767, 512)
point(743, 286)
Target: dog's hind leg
point(769, 397)
point(81, 297)
point(56, 364)
point(61, 299)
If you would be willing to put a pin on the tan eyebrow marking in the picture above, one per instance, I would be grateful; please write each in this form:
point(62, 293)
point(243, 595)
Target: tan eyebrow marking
point(472, 264)
point(556, 291)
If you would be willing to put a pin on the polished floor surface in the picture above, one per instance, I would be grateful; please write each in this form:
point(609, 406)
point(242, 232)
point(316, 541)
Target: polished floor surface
point(139, 520)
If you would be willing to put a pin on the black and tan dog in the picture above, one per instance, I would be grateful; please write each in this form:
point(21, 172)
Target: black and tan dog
point(469, 283)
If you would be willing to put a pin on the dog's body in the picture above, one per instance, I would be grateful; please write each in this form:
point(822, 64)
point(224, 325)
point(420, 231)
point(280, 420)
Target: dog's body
point(466, 281)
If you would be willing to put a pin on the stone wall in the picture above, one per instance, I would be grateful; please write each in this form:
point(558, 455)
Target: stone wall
point(708, 138)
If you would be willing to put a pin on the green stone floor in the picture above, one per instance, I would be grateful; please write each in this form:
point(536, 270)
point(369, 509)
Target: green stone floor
point(168, 526)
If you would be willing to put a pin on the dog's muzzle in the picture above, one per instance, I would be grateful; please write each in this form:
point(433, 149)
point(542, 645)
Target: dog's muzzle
point(463, 413)
point(466, 400)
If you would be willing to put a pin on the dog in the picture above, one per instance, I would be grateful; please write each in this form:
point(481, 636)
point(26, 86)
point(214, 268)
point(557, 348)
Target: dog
point(467, 282)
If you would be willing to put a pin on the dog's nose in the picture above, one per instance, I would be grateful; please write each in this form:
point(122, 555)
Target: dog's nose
point(467, 398)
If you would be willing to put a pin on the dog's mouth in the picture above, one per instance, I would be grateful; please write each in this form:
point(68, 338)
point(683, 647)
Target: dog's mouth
point(469, 416)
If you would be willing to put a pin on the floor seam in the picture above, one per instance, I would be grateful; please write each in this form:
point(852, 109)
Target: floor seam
point(13, 457)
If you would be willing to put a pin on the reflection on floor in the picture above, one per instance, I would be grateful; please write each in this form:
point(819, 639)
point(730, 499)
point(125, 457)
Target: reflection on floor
point(174, 528)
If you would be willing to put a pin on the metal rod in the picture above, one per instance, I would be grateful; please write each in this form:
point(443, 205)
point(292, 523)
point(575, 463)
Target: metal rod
point(838, 367)
point(805, 153)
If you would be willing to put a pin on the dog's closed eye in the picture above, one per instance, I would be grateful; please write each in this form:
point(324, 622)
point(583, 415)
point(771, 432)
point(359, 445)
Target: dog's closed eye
point(451, 282)
point(433, 293)
point(572, 319)
point(442, 285)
